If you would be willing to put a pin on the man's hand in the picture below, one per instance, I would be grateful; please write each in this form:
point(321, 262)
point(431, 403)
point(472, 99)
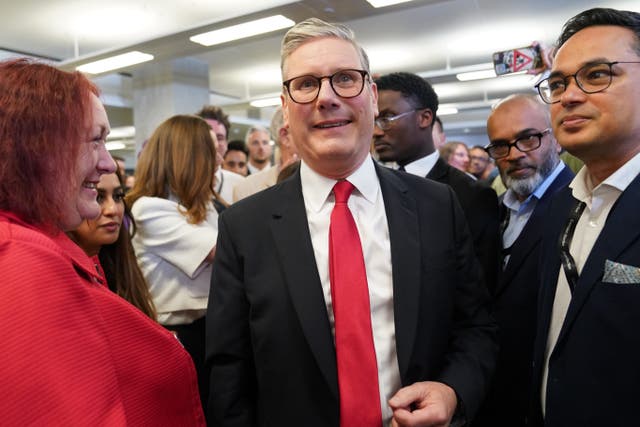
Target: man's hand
point(423, 404)
point(547, 58)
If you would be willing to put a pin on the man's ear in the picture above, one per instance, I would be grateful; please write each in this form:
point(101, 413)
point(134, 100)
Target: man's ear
point(285, 113)
point(425, 118)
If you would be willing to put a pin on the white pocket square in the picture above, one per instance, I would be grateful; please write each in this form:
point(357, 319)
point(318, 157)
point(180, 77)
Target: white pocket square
point(614, 272)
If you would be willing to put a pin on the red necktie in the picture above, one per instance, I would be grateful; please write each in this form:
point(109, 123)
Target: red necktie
point(355, 353)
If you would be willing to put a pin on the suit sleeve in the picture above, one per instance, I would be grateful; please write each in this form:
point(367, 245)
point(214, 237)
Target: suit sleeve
point(229, 357)
point(471, 358)
point(487, 236)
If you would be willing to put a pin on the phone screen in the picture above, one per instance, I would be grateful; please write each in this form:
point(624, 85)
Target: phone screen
point(514, 60)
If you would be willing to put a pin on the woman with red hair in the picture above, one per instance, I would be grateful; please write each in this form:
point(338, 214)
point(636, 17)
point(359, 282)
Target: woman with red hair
point(73, 352)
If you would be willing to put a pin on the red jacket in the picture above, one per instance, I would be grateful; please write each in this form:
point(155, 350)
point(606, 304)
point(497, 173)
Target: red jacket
point(74, 353)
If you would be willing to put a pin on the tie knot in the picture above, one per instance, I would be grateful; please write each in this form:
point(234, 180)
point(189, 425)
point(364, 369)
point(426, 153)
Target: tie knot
point(342, 190)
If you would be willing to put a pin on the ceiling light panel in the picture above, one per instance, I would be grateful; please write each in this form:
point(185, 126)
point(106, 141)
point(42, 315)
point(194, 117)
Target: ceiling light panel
point(240, 31)
point(266, 102)
point(115, 62)
point(385, 3)
point(476, 75)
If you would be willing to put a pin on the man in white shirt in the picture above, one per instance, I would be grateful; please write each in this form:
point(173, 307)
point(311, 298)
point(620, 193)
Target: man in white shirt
point(266, 178)
point(403, 134)
point(588, 346)
point(526, 153)
point(274, 335)
point(258, 143)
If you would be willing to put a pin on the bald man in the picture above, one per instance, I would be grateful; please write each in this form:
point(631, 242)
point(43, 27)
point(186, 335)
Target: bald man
point(526, 153)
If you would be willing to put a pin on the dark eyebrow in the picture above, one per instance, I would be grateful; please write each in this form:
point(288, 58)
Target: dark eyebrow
point(521, 134)
point(594, 61)
point(527, 132)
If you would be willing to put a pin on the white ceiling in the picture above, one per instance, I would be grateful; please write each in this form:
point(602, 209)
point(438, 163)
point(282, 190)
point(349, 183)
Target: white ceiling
point(424, 36)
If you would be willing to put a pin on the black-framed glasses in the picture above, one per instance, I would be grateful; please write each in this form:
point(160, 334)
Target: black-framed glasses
point(385, 122)
point(345, 83)
point(590, 78)
point(525, 143)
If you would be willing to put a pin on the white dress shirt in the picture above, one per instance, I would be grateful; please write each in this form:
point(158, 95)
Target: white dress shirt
point(423, 165)
point(254, 169)
point(599, 200)
point(367, 207)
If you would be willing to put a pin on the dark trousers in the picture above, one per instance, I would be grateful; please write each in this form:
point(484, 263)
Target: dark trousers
point(192, 338)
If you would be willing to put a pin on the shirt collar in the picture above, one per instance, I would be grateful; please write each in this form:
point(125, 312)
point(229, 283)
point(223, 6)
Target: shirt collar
point(423, 165)
point(511, 201)
point(582, 186)
point(316, 188)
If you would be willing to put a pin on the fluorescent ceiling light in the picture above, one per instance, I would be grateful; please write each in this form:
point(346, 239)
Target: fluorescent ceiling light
point(122, 132)
point(446, 111)
point(476, 75)
point(115, 145)
point(115, 62)
point(240, 31)
point(265, 102)
point(384, 3)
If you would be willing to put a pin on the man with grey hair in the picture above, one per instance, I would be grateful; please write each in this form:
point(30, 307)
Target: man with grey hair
point(286, 155)
point(348, 294)
point(526, 153)
point(259, 145)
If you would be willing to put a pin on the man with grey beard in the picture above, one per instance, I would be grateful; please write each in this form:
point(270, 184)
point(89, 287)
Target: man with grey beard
point(526, 153)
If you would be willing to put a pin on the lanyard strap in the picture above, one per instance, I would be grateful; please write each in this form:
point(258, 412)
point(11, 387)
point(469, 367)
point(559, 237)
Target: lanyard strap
point(568, 263)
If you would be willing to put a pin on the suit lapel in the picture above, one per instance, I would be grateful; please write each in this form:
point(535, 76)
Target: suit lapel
point(402, 217)
point(531, 233)
point(438, 171)
point(550, 265)
point(293, 243)
point(621, 229)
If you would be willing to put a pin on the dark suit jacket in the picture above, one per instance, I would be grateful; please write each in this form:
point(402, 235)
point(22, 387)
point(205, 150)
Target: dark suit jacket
point(593, 369)
point(480, 206)
point(515, 309)
point(269, 341)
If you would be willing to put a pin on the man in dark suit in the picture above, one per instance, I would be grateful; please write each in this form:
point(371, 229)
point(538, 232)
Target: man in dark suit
point(408, 105)
point(274, 323)
point(587, 345)
point(527, 156)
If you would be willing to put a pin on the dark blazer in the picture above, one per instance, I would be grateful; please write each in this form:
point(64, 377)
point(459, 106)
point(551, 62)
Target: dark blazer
point(480, 206)
point(269, 341)
point(515, 309)
point(593, 369)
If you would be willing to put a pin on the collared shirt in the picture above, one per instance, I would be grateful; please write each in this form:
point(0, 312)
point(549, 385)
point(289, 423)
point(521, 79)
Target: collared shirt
point(367, 207)
point(599, 201)
point(254, 169)
point(520, 212)
point(423, 165)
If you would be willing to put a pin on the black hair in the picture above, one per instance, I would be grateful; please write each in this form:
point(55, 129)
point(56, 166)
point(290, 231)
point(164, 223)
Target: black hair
point(602, 16)
point(237, 145)
point(412, 87)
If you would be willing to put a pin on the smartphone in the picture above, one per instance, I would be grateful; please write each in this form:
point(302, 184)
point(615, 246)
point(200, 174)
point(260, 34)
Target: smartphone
point(514, 60)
